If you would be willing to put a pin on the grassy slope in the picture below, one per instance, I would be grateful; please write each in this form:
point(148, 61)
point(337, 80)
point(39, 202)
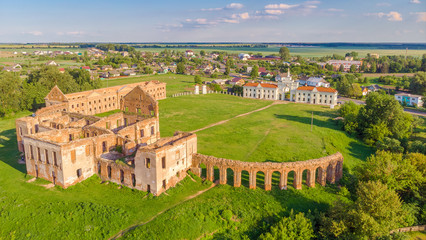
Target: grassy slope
point(282, 133)
point(187, 113)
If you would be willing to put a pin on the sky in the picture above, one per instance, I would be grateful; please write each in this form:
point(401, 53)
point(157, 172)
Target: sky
point(213, 21)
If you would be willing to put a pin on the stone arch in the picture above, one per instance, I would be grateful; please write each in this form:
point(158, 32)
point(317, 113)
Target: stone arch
point(260, 178)
point(310, 177)
point(291, 175)
point(230, 172)
point(245, 178)
point(339, 170)
point(275, 177)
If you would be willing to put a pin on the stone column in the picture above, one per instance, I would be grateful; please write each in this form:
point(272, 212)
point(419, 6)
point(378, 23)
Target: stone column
point(210, 173)
point(196, 170)
point(310, 178)
point(331, 174)
point(297, 180)
point(322, 174)
point(237, 177)
point(222, 175)
point(283, 180)
point(268, 180)
point(252, 179)
point(339, 170)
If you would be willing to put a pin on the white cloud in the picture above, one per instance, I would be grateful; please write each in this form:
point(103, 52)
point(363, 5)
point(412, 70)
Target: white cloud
point(227, 7)
point(415, 1)
point(421, 16)
point(72, 33)
point(334, 10)
point(34, 33)
point(391, 16)
point(281, 6)
point(274, 11)
point(234, 6)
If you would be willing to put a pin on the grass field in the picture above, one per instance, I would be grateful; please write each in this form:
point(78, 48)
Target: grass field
point(91, 210)
point(302, 51)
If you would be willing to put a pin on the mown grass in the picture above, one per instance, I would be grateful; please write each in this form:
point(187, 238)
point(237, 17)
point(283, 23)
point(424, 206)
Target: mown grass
point(282, 133)
point(191, 112)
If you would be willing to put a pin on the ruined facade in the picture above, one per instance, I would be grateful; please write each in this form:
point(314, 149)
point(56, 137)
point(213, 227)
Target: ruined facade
point(103, 99)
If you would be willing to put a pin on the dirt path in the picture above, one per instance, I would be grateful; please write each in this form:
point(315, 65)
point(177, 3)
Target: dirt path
point(122, 232)
point(241, 115)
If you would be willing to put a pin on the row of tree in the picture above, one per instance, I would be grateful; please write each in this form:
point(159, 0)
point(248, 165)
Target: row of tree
point(17, 94)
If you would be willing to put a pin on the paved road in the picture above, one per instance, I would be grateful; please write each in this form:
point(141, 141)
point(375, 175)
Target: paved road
point(411, 111)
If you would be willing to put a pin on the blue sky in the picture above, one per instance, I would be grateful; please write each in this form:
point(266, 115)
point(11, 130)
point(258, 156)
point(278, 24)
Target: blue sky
point(213, 21)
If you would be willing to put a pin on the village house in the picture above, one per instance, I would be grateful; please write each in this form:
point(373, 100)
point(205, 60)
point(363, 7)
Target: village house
point(219, 81)
point(124, 66)
point(106, 68)
point(409, 99)
point(317, 82)
point(346, 64)
point(52, 63)
point(236, 81)
point(189, 53)
point(314, 95)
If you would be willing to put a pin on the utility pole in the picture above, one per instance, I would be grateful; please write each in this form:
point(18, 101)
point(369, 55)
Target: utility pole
point(312, 120)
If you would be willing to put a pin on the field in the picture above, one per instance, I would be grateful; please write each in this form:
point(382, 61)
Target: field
point(302, 51)
point(91, 210)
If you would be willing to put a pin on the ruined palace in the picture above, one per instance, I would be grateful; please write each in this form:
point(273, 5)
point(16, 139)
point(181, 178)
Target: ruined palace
point(66, 143)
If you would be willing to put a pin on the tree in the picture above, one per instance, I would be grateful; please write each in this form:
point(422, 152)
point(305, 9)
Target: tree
point(383, 116)
point(341, 68)
point(400, 173)
point(373, 68)
point(377, 210)
point(197, 80)
point(285, 54)
point(418, 83)
point(215, 87)
point(180, 68)
point(390, 144)
point(10, 93)
point(202, 53)
point(254, 72)
point(353, 68)
point(227, 70)
point(294, 227)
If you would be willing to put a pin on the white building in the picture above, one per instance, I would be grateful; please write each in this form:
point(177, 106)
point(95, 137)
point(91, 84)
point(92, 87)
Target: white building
point(261, 91)
point(285, 83)
point(189, 53)
point(317, 82)
point(243, 56)
point(346, 64)
point(314, 95)
point(409, 99)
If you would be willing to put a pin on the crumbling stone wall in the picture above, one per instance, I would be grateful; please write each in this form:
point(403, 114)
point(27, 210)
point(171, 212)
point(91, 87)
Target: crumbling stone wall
point(120, 173)
point(329, 169)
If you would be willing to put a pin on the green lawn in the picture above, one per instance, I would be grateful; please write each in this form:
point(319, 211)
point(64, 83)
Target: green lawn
point(187, 113)
point(91, 210)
